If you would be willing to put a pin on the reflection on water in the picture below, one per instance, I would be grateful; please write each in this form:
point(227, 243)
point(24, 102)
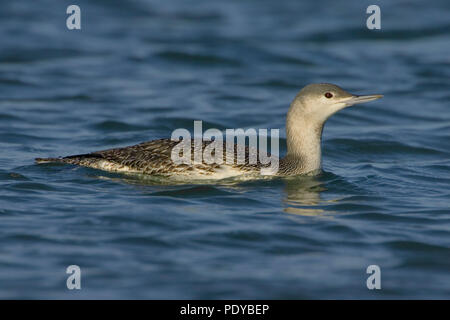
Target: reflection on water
point(302, 192)
point(303, 195)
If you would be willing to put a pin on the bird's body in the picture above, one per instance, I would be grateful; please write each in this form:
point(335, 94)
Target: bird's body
point(154, 158)
point(304, 124)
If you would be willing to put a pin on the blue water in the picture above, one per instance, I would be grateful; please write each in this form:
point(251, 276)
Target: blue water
point(139, 69)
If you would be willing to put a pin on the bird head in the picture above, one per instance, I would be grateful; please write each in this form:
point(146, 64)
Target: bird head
point(318, 102)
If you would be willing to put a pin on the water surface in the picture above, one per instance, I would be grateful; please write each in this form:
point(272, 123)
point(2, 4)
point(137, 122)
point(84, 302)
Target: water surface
point(139, 69)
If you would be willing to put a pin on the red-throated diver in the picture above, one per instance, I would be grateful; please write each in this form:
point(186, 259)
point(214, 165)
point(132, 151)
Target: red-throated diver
point(308, 112)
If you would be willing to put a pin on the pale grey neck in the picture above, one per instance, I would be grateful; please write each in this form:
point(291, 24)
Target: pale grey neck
point(303, 137)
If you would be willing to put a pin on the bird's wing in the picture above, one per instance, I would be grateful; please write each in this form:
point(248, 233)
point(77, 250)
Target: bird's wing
point(155, 157)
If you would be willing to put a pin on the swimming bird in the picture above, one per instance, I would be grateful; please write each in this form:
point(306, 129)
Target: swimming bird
point(305, 120)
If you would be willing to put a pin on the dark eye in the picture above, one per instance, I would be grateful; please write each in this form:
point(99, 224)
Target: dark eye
point(328, 95)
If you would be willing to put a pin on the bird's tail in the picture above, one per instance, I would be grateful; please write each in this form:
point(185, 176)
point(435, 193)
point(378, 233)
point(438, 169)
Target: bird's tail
point(48, 160)
point(75, 159)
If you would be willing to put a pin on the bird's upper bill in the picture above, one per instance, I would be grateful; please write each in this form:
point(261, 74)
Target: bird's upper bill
point(360, 99)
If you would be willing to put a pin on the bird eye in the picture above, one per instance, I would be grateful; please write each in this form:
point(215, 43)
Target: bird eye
point(328, 95)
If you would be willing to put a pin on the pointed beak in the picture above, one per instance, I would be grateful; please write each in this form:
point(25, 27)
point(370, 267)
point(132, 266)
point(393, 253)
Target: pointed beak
point(361, 99)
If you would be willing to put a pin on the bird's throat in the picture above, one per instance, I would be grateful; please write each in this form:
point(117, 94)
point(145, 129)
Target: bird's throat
point(304, 143)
